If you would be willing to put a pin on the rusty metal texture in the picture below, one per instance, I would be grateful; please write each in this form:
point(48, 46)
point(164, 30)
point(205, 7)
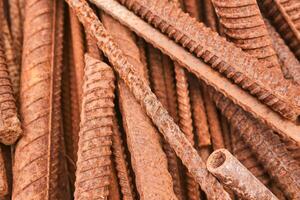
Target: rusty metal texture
point(185, 121)
point(192, 7)
point(94, 145)
point(204, 72)
point(173, 164)
point(222, 164)
point(123, 173)
point(143, 58)
point(10, 126)
point(284, 15)
point(210, 17)
point(36, 165)
point(289, 64)
point(157, 74)
point(244, 25)
point(170, 87)
point(16, 27)
point(226, 134)
point(114, 191)
point(155, 60)
point(266, 145)
point(67, 104)
point(245, 155)
point(3, 177)
point(78, 54)
point(199, 113)
point(215, 128)
point(136, 123)
point(11, 55)
point(91, 47)
point(244, 70)
point(151, 105)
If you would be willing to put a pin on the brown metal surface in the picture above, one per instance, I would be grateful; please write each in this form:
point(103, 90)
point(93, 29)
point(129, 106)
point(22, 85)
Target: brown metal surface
point(12, 56)
point(229, 60)
point(144, 148)
point(202, 71)
point(284, 14)
point(222, 164)
point(36, 163)
point(243, 24)
point(94, 146)
point(289, 64)
point(245, 155)
point(150, 104)
point(155, 60)
point(3, 177)
point(10, 126)
point(266, 145)
point(123, 173)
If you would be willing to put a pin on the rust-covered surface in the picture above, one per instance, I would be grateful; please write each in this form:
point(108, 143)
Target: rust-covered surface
point(149, 102)
point(93, 172)
point(36, 164)
point(222, 164)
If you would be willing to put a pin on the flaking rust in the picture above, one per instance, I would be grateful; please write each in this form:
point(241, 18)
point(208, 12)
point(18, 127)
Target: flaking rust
point(143, 148)
point(173, 163)
point(10, 126)
point(284, 16)
point(266, 145)
point(222, 164)
point(185, 120)
point(96, 126)
point(149, 102)
point(244, 25)
point(245, 155)
point(156, 65)
point(241, 68)
point(289, 64)
point(36, 165)
point(204, 72)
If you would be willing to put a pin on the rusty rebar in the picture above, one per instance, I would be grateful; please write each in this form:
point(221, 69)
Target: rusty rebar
point(136, 123)
point(283, 14)
point(289, 64)
point(244, 25)
point(215, 128)
point(10, 127)
point(173, 164)
point(272, 88)
point(222, 164)
point(12, 56)
point(123, 173)
point(199, 113)
point(36, 164)
point(245, 155)
point(78, 54)
point(16, 27)
point(155, 61)
point(266, 145)
point(94, 146)
point(149, 102)
point(208, 75)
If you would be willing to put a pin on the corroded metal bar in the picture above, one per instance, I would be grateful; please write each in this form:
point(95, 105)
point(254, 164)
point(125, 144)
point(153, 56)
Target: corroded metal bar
point(222, 164)
point(149, 102)
point(201, 70)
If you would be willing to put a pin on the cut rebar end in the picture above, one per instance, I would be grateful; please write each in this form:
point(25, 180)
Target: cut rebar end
point(216, 159)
